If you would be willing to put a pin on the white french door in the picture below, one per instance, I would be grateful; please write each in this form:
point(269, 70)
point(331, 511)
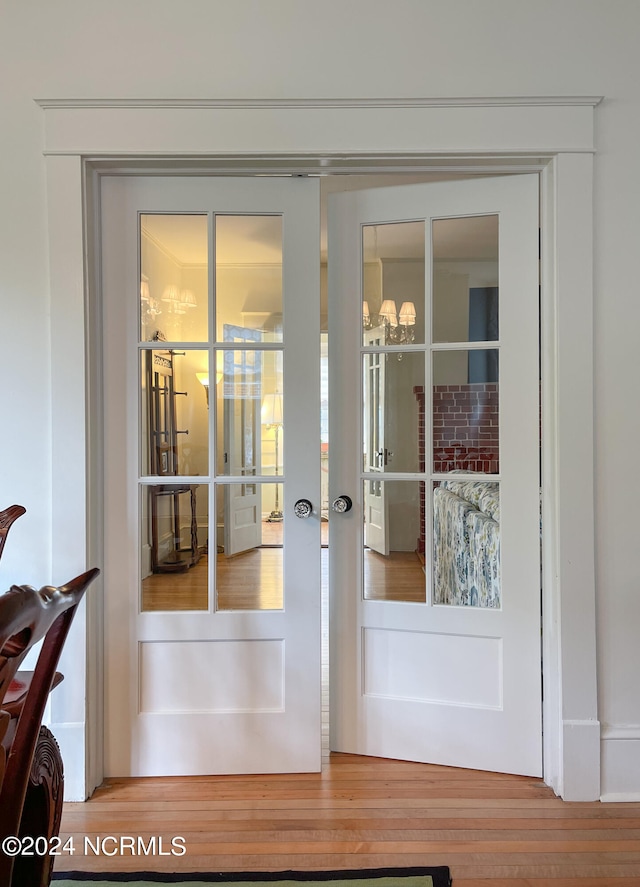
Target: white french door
point(435, 643)
point(212, 631)
point(213, 660)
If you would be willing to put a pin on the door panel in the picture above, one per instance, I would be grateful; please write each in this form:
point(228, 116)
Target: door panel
point(435, 644)
point(213, 662)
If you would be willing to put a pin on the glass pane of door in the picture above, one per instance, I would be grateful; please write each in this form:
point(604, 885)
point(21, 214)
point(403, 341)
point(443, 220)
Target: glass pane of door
point(393, 283)
point(393, 429)
point(174, 422)
point(249, 412)
point(173, 534)
point(174, 277)
point(252, 579)
point(182, 385)
point(466, 543)
point(466, 411)
point(248, 277)
point(465, 279)
point(393, 556)
point(393, 384)
point(463, 411)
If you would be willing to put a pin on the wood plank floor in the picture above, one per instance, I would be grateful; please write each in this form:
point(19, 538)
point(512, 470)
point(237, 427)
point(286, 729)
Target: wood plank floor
point(253, 580)
point(492, 830)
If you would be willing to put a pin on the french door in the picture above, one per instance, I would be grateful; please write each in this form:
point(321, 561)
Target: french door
point(212, 474)
point(433, 320)
point(210, 316)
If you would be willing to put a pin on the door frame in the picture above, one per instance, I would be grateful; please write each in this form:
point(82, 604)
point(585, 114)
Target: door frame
point(554, 136)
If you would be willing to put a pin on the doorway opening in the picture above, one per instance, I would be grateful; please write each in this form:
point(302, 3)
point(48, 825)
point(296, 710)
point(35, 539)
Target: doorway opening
point(245, 356)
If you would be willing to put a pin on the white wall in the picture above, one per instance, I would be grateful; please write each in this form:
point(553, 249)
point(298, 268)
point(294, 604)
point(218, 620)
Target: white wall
point(340, 48)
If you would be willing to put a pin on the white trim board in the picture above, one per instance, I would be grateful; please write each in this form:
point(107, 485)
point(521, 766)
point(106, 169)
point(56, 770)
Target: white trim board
point(620, 755)
point(347, 126)
point(554, 136)
point(397, 102)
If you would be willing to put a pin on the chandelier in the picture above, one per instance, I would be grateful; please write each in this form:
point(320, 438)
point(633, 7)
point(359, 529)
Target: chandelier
point(152, 305)
point(178, 299)
point(399, 327)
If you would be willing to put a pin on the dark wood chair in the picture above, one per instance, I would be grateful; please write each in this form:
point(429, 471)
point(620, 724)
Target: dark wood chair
point(7, 518)
point(31, 776)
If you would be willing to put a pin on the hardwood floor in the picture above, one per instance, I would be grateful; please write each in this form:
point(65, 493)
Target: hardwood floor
point(398, 576)
point(253, 580)
point(492, 830)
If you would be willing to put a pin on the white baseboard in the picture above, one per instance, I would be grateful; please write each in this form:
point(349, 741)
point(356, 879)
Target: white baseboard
point(620, 762)
point(580, 755)
point(70, 738)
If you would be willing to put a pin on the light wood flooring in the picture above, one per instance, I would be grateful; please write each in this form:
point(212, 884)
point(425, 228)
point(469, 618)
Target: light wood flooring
point(253, 580)
point(492, 830)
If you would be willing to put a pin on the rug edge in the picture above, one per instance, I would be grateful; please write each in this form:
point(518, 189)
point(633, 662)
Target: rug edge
point(440, 874)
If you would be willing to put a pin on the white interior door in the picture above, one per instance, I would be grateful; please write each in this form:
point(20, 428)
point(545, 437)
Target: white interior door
point(376, 529)
point(213, 663)
point(435, 646)
point(243, 511)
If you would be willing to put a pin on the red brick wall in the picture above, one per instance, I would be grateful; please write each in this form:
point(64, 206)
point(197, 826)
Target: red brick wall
point(465, 427)
point(465, 433)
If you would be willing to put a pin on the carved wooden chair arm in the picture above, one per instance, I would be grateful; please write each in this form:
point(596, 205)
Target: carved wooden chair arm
point(31, 775)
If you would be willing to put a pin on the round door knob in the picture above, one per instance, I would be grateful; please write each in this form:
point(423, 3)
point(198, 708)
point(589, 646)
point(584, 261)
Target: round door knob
point(303, 508)
point(342, 504)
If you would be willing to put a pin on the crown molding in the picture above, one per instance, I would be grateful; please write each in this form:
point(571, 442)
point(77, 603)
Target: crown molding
point(243, 104)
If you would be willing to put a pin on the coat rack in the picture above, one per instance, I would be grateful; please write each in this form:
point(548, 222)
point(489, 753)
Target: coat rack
point(167, 500)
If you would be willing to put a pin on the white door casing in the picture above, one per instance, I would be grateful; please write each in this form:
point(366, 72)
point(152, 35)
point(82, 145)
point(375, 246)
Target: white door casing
point(454, 685)
point(85, 139)
point(206, 692)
